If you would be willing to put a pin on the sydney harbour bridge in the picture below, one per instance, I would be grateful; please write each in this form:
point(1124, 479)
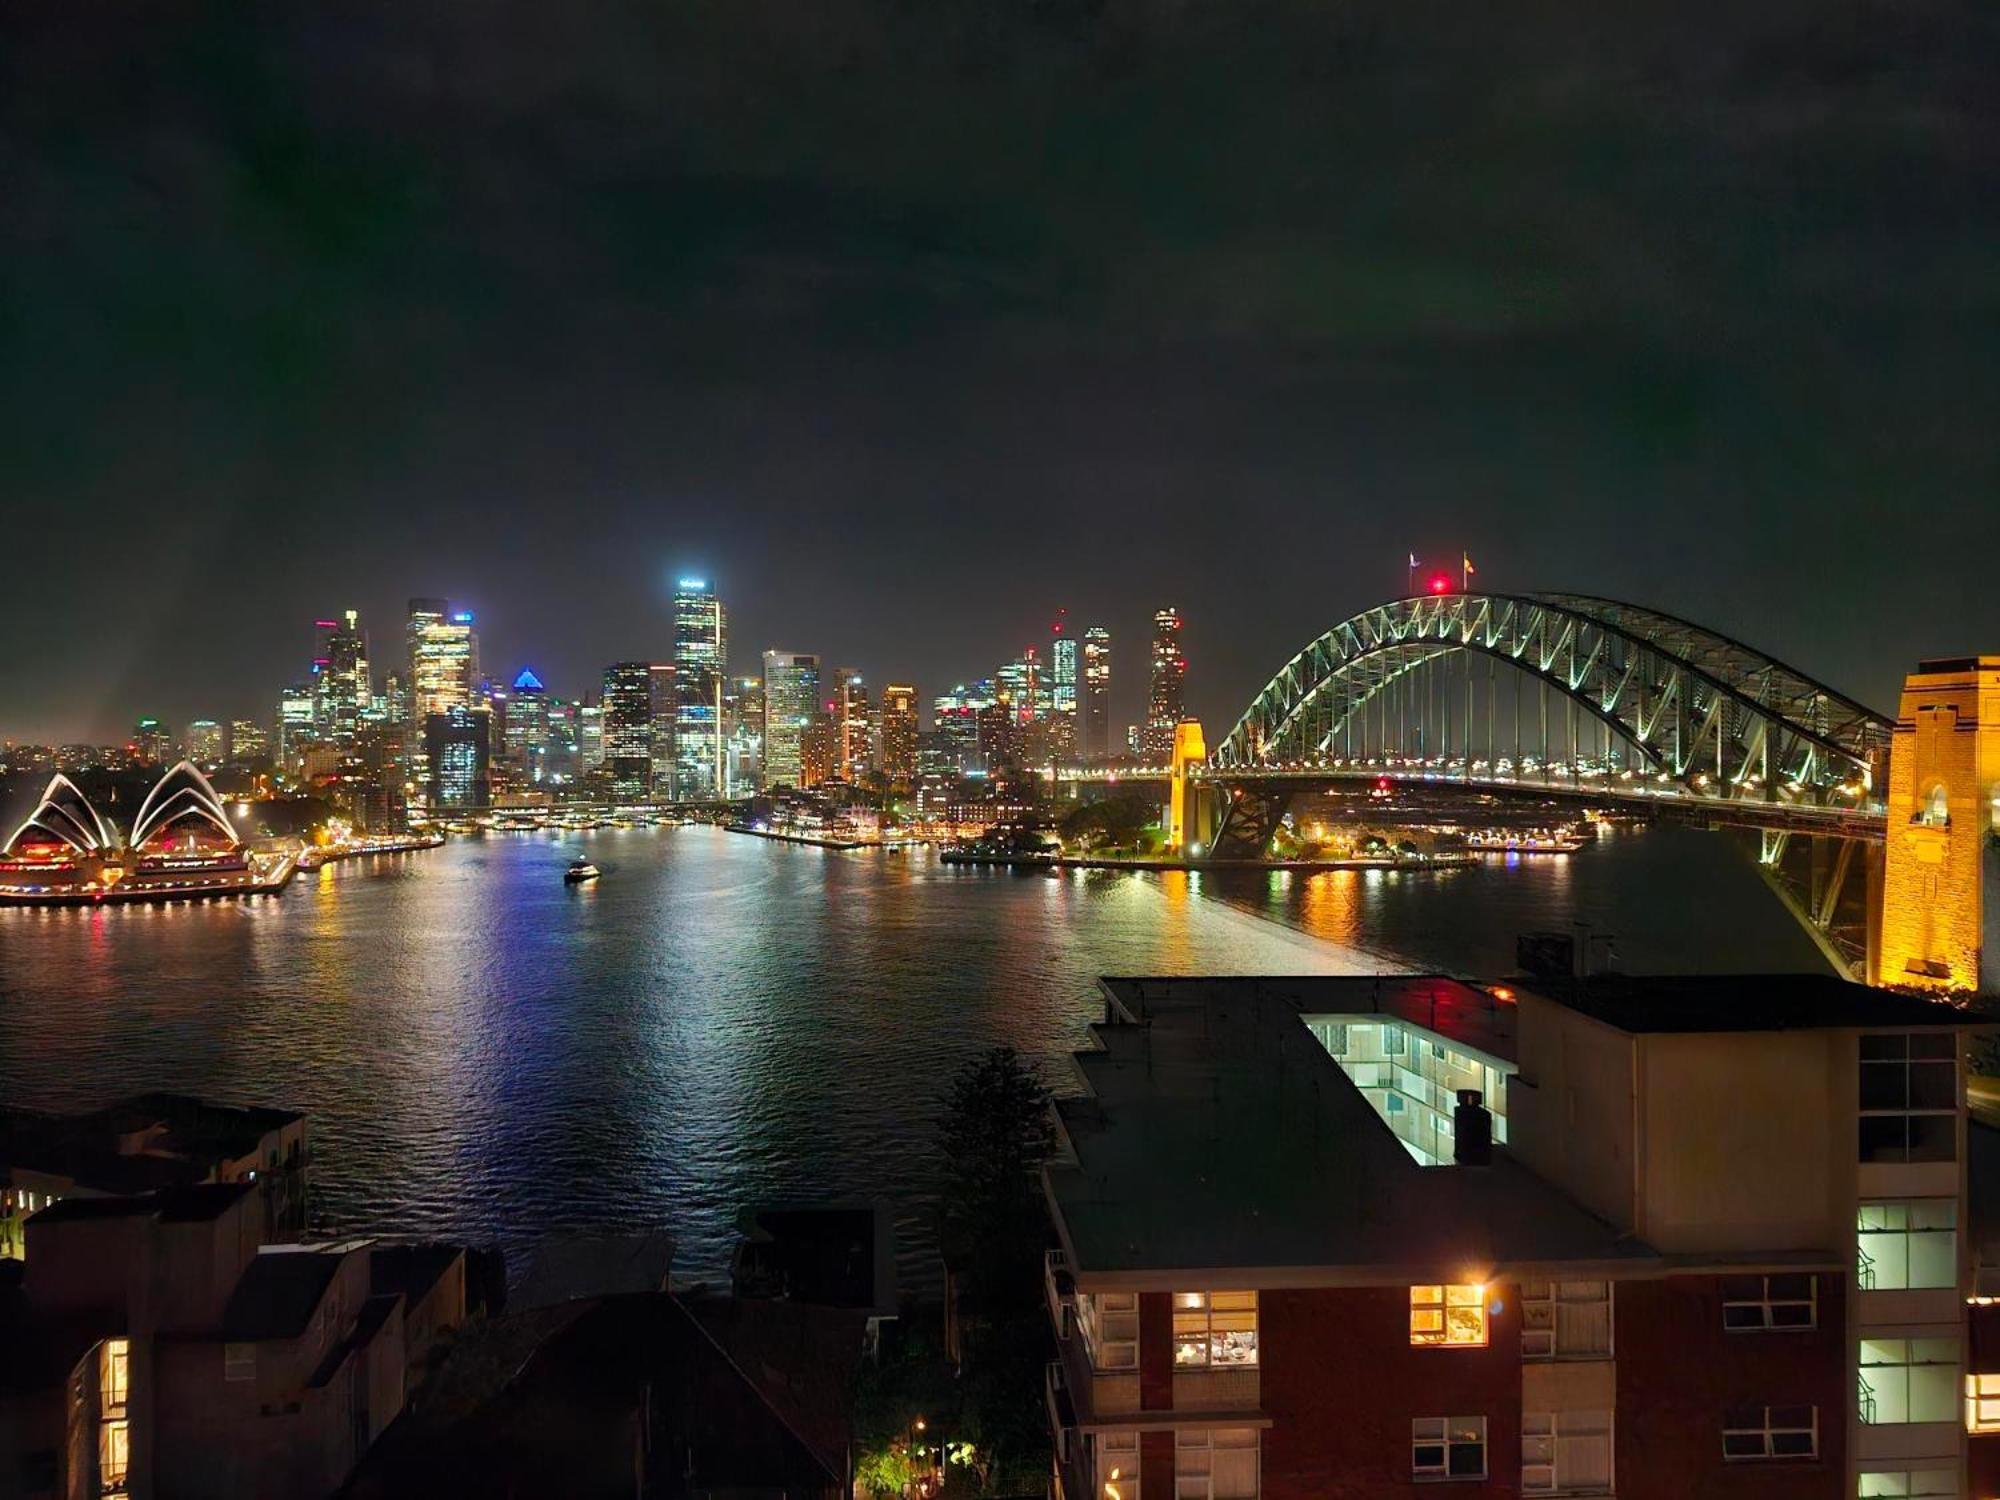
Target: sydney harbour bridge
point(1574, 698)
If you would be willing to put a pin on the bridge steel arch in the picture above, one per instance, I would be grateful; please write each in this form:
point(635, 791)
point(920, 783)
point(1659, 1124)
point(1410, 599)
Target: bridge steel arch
point(1725, 727)
point(1724, 721)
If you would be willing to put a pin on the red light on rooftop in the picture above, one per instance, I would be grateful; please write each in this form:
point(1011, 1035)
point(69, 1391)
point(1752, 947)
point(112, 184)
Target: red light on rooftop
point(1440, 584)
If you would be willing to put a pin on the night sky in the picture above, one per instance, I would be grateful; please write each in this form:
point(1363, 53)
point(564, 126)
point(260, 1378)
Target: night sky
point(910, 320)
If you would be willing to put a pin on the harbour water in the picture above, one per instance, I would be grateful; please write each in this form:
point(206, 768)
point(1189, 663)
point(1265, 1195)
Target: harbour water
point(719, 1022)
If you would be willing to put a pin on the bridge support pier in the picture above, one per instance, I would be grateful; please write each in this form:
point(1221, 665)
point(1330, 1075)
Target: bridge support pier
point(1830, 884)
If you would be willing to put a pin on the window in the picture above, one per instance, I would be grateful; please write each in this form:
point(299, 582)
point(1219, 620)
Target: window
point(1909, 1097)
point(1895, 1484)
point(1936, 810)
point(1216, 1464)
point(1110, 1329)
point(1760, 1303)
point(1215, 1328)
point(1566, 1320)
point(1566, 1453)
point(114, 1376)
point(1453, 1315)
point(1117, 1456)
point(1982, 1403)
point(1760, 1432)
point(1904, 1245)
point(1908, 1380)
point(1448, 1448)
point(239, 1361)
point(114, 1456)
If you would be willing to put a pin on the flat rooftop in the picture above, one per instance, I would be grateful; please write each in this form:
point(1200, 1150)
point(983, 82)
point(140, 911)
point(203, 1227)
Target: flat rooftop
point(1218, 1134)
point(1640, 1003)
point(1477, 1017)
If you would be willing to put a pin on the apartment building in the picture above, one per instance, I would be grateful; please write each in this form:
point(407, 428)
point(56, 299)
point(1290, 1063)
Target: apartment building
point(1665, 1237)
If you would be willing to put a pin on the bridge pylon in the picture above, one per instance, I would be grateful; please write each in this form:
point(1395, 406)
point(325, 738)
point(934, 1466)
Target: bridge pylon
point(1189, 824)
point(1941, 876)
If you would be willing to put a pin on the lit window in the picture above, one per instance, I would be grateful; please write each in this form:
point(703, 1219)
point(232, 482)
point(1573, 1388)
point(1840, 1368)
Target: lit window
point(1452, 1315)
point(1758, 1432)
point(1110, 1329)
point(113, 1376)
point(1906, 1245)
point(1909, 1097)
point(239, 1361)
point(1117, 1460)
point(1896, 1484)
point(1448, 1448)
point(1565, 1452)
point(1565, 1320)
point(1760, 1303)
point(1908, 1380)
point(1215, 1328)
point(1982, 1403)
point(1216, 1464)
point(114, 1456)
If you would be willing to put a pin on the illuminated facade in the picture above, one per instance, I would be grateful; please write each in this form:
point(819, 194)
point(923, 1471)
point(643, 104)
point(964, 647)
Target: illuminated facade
point(457, 751)
point(526, 735)
point(342, 684)
point(248, 742)
point(701, 666)
point(1719, 1248)
point(207, 746)
point(955, 718)
point(627, 721)
point(152, 745)
point(791, 701)
point(1185, 824)
point(444, 658)
point(899, 736)
point(853, 726)
point(1062, 693)
point(1166, 700)
point(1094, 717)
point(664, 688)
point(1941, 873)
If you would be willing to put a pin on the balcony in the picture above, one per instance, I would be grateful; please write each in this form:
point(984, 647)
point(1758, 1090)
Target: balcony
point(1059, 1288)
point(1095, 1393)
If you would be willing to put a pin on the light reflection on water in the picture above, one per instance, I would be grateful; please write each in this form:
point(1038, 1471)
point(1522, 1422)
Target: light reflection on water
point(719, 1022)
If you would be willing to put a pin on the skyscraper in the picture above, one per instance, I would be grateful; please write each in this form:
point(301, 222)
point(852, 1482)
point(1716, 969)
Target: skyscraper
point(701, 661)
point(456, 752)
point(526, 733)
point(899, 736)
point(444, 658)
point(791, 698)
point(248, 742)
point(1096, 707)
point(1166, 701)
point(205, 743)
point(628, 729)
point(1062, 690)
point(343, 678)
point(854, 726)
point(665, 690)
point(295, 725)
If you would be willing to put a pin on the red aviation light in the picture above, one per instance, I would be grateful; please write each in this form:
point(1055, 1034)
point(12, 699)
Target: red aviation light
point(1440, 584)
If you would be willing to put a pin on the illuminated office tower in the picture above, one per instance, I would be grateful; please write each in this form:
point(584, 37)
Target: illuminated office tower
point(456, 751)
point(701, 663)
point(205, 743)
point(955, 718)
point(151, 744)
point(791, 699)
point(589, 737)
point(666, 721)
point(341, 677)
point(819, 748)
point(853, 727)
point(1166, 701)
point(1094, 711)
point(1022, 687)
point(248, 742)
point(295, 725)
point(526, 731)
point(743, 713)
point(628, 729)
point(1062, 690)
point(444, 658)
point(899, 736)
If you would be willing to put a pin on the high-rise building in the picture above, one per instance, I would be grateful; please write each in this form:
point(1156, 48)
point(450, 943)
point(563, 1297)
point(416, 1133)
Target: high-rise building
point(205, 743)
point(295, 724)
point(701, 663)
point(854, 726)
point(628, 729)
point(1166, 700)
point(589, 737)
point(248, 742)
point(743, 708)
point(955, 717)
point(444, 658)
point(899, 736)
point(151, 744)
point(819, 748)
point(791, 699)
point(457, 748)
point(343, 687)
point(1095, 715)
point(526, 732)
point(1062, 690)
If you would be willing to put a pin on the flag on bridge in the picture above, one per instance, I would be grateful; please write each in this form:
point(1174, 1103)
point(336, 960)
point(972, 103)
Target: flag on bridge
point(1467, 570)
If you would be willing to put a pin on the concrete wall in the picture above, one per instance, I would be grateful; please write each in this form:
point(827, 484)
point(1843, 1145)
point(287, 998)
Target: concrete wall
point(1570, 1115)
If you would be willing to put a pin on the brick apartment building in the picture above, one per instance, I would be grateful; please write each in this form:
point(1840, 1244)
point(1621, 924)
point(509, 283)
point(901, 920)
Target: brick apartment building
point(1324, 1239)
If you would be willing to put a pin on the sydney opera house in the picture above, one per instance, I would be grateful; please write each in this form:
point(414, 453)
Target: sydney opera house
point(180, 845)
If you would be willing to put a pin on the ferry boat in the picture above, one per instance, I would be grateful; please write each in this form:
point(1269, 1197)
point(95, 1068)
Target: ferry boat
point(1524, 841)
point(580, 869)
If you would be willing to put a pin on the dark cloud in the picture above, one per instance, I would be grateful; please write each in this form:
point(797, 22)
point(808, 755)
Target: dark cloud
point(910, 321)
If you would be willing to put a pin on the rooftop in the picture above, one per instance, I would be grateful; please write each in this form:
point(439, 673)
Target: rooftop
point(279, 1291)
point(1747, 1002)
point(1218, 1134)
point(194, 1204)
point(1476, 1017)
